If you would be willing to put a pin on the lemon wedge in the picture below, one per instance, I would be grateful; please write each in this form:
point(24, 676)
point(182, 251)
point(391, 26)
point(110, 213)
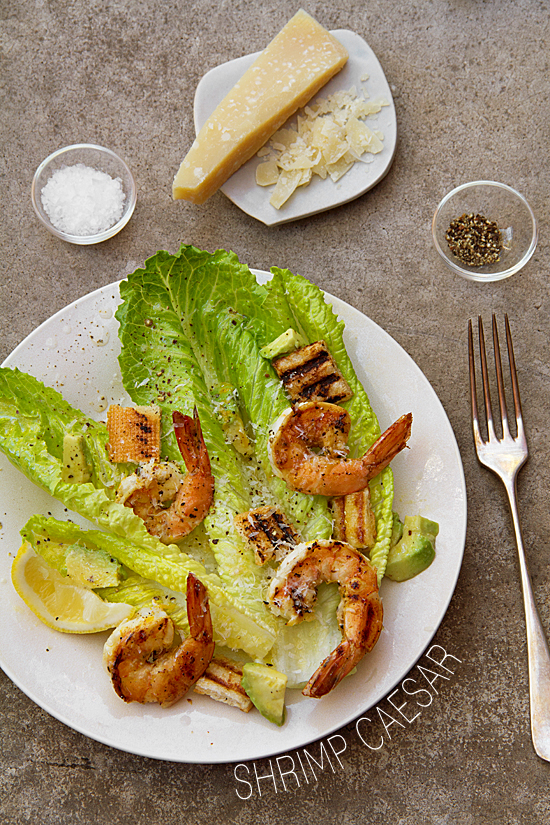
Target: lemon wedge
point(59, 601)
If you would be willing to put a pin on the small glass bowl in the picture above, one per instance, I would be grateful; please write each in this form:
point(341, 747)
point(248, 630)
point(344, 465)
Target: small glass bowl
point(496, 202)
point(96, 157)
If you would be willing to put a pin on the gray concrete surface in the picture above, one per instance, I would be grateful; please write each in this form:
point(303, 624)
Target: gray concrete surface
point(471, 85)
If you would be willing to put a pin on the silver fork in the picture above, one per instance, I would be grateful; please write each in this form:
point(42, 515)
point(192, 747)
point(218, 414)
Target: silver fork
point(505, 456)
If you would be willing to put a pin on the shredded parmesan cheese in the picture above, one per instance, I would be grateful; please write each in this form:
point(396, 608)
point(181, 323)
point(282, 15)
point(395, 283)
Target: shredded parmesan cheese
point(327, 139)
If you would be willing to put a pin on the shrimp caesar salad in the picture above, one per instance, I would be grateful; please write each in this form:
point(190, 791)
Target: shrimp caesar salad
point(241, 506)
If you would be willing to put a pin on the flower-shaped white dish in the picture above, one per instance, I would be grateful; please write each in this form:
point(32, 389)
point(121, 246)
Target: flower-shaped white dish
point(362, 71)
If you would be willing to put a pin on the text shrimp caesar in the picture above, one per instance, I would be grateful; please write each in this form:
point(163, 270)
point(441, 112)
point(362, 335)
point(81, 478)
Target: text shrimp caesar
point(303, 767)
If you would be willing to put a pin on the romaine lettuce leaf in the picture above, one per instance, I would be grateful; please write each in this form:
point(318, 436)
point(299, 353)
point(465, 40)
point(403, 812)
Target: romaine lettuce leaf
point(163, 361)
point(33, 420)
point(193, 321)
point(234, 624)
point(290, 301)
point(314, 318)
point(219, 305)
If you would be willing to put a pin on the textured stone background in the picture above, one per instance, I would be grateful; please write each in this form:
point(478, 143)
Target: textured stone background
point(471, 85)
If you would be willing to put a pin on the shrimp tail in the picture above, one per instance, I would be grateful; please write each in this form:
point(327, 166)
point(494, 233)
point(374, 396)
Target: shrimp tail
point(195, 654)
point(191, 444)
point(343, 658)
point(388, 445)
point(198, 610)
point(331, 671)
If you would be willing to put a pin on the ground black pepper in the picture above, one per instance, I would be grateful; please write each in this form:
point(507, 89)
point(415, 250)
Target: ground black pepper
point(474, 239)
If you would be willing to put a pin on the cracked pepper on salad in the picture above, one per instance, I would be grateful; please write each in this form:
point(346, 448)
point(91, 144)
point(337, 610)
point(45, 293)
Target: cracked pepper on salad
point(243, 503)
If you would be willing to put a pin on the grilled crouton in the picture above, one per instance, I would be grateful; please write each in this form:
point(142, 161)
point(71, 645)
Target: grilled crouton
point(310, 374)
point(134, 433)
point(354, 520)
point(222, 682)
point(268, 533)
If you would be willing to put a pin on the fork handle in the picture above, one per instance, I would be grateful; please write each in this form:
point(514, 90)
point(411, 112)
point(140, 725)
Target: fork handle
point(538, 653)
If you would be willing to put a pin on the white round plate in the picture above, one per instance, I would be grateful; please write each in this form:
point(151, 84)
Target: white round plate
point(319, 195)
point(76, 352)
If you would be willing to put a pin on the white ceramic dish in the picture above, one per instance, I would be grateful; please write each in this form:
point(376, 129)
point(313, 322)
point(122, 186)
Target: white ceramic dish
point(76, 352)
point(319, 195)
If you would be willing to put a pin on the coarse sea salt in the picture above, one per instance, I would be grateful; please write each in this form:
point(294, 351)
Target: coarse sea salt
point(80, 200)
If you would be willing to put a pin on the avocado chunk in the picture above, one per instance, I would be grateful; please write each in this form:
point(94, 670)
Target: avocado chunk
point(92, 568)
point(75, 467)
point(396, 529)
point(265, 688)
point(415, 551)
point(284, 343)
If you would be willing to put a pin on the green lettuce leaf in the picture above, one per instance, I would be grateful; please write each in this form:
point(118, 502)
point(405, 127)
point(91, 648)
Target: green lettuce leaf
point(198, 310)
point(33, 421)
point(234, 625)
point(193, 321)
point(163, 361)
point(315, 319)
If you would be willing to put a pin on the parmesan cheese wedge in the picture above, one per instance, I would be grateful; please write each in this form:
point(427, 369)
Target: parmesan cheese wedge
point(289, 72)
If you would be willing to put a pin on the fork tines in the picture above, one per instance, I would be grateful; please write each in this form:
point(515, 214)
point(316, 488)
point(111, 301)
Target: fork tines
point(500, 382)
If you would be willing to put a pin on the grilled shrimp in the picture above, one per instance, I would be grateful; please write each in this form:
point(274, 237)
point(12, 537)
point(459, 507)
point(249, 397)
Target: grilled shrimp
point(141, 661)
point(170, 503)
point(320, 425)
point(292, 594)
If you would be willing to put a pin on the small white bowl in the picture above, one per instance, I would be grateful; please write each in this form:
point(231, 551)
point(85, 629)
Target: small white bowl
point(496, 202)
point(95, 157)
